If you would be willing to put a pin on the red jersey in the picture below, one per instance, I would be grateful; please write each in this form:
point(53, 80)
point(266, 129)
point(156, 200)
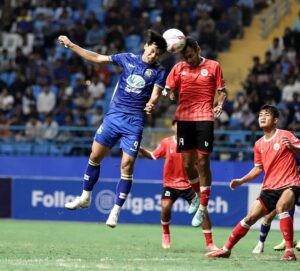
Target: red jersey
point(278, 161)
point(174, 173)
point(197, 88)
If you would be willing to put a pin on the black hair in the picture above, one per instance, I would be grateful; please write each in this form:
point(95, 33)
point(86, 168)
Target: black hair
point(190, 43)
point(155, 38)
point(173, 122)
point(271, 109)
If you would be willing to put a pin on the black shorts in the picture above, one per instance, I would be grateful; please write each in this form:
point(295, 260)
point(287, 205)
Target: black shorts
point(173, 194)
point(195, 135)
point(269, 198)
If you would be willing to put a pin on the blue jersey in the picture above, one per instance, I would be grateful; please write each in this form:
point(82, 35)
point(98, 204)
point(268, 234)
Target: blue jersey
point(136, 83)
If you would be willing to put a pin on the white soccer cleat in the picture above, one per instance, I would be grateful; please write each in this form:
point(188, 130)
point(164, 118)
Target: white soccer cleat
point(211, 247)
point(113, 217)
point(78, 203)
point(194, 204)
point(199, 217)
point(298, 246)
point(259, 248)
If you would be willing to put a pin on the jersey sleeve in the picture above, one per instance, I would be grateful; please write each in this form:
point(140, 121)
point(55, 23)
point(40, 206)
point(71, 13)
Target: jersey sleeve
point(173, 79)
point(220, 82)
point(120, 59)
point(161, 78)
point(257, 155)
point(294, 140)
point(160, 150)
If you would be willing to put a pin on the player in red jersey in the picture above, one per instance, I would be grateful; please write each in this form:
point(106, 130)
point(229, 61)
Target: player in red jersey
point(175, 184)
point(197, 80)
point(275, 155)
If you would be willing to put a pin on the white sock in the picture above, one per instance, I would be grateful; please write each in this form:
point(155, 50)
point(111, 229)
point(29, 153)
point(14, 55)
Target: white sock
point(86, 194)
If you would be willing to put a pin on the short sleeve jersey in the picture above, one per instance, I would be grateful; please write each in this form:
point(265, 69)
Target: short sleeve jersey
point(197, 88)
point(278, 161)
point(135, 84)
point(174, 174)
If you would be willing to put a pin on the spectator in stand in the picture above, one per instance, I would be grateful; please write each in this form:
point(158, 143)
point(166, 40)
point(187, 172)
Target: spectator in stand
point(96, 88)
point(46, 101)
point(276, 49)
point(33, 129)
point(49, 128)
point(6, 101)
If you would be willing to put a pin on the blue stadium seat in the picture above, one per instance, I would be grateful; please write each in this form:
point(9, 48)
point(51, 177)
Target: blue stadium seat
point(133, 44)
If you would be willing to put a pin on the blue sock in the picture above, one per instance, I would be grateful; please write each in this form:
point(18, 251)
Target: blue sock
point(91, 175)
point(123, 189)
point(264, 230)
point(292, 212)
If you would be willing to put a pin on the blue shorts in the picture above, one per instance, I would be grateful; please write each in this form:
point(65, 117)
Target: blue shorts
point(128, 128)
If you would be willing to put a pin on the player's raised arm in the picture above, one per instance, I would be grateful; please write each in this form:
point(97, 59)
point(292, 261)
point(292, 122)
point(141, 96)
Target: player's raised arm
point(86, 54)
point(253, 173)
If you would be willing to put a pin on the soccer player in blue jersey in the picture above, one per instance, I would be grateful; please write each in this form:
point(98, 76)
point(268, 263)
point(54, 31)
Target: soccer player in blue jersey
point(138, 90)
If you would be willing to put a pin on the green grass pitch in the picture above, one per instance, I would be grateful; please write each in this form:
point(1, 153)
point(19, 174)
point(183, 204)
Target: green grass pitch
point(30, 245)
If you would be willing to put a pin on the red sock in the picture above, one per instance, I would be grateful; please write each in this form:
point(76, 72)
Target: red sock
point(165, 227)
point(205, 194)
point(238, 232)
point(286, 227)
point(208, 237)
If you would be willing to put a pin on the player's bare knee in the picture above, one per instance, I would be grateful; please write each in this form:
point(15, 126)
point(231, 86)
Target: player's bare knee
point(250, 219)
point(127, 167)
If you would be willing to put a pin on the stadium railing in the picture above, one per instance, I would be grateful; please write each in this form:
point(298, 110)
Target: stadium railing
point(272, 16)
point(76, 141)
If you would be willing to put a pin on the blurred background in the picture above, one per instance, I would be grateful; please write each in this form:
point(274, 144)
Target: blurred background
point(52, 101)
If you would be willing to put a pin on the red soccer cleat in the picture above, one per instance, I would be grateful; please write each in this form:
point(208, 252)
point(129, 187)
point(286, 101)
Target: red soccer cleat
point(220, 253)
point(166, 241)
point(289, 256)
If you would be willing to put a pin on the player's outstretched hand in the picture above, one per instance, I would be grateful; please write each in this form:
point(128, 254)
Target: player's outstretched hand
point(149, 108)
point(235, 183)
point(286, 142)
point(218, 111)
point(65, 41)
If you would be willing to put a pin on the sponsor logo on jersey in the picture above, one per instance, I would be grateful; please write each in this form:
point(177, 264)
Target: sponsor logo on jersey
point(100, 129)
point(135, 83)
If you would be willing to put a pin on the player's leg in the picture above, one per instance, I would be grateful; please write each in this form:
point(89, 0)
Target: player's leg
point(91, 176)
point(123, 188)
point(241, 229)
point(207, 231)
point(203, 165)
point(264, 230)
point(281, 245)
point(204, 146)
point(284, 204)
point(168, 197)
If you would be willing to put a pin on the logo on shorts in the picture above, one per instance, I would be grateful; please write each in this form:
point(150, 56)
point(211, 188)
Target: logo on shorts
point(204, 72)
point(100, 129)
point(167, 194)
point(206, 143)
point(181, 141)
point(276, 147)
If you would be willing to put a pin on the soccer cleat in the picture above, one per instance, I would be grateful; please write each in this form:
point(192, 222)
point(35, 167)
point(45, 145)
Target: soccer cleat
point(194, 205)
point(113, 217)
point(198, 217)
point(298, 246)
point(166, 241)
point(211, 247)
point(220, 253)
point(289, 256)
point(259, 248)
point(281, 246)
point(78, 203)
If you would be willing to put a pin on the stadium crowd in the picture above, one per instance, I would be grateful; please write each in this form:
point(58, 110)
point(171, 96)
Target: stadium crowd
point(44, 85)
